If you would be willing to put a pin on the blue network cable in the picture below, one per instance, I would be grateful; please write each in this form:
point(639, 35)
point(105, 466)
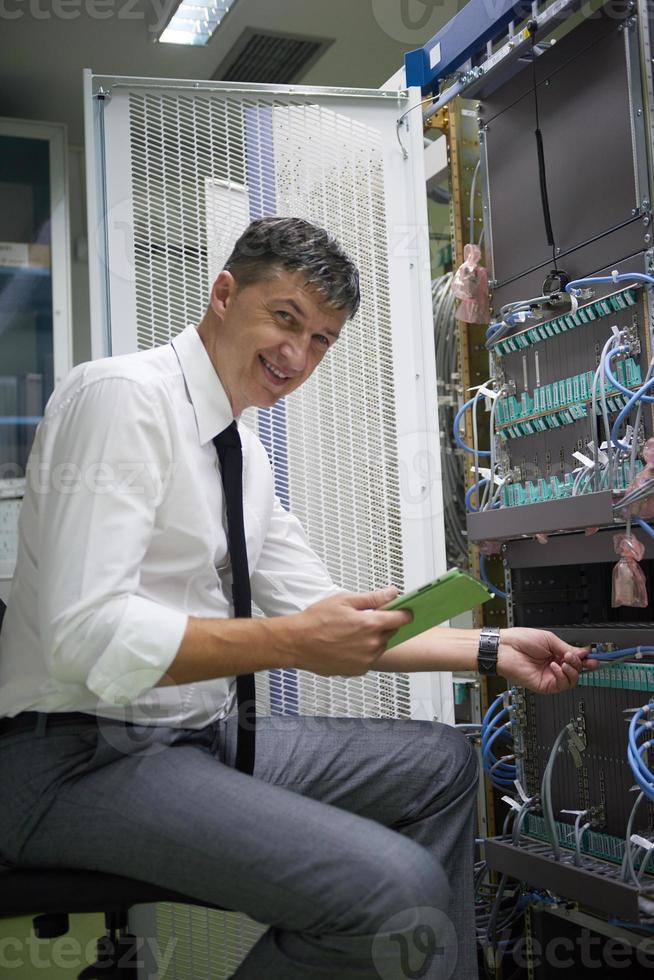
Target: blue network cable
point(612, 354)
point(645, 526)
point(574, 287)
point(624, 412)
point(483, 575)
point(494, 724)
point(457, 422)
point(509, 320)
point(470, 492)
point(637, 728)
point(627, 653)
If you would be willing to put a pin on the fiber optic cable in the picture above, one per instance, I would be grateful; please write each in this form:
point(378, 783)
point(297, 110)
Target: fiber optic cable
point(473, 187)
point(579, 834)
point(546, 794)
point(628, 859)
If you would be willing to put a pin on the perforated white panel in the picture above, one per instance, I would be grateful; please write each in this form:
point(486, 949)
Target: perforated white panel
point(188, 170)
point(201, 168)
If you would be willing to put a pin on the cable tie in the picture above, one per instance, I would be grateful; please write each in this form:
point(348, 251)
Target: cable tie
point(614, 275)
point(521, 792)
point(512, 803)
point(584, 460)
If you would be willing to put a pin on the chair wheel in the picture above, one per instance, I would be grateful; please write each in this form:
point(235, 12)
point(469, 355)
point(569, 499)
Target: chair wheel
point(50, 926)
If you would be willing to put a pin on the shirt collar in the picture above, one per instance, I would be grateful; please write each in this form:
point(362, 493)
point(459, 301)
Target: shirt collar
point(213, 412)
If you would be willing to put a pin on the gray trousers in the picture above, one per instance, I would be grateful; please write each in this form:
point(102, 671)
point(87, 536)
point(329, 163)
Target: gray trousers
point(344, 843)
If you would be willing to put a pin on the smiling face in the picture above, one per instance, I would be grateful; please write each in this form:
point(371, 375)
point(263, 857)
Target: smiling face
point(265, 339)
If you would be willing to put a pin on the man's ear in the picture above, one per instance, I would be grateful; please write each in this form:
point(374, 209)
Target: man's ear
point(222, 292)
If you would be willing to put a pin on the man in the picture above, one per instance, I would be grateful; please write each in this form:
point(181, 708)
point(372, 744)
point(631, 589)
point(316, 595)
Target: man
point(120, 608)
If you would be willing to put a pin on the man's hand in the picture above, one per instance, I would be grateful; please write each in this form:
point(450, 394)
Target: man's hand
point(342, 635)
point(540, 661)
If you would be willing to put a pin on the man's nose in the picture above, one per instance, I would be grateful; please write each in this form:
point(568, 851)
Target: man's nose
point(295, 353)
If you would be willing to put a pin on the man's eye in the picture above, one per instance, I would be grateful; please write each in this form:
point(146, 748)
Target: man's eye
point(322, 340)
point(285, 315)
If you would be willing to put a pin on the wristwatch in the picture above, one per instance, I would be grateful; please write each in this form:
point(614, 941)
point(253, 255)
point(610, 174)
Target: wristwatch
point(489, 644)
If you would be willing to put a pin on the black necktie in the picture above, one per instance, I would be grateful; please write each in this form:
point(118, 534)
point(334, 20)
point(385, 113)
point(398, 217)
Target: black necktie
point(228, 446)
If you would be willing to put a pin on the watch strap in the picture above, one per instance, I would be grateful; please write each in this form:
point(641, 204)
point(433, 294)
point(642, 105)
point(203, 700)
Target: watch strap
point(489, 644)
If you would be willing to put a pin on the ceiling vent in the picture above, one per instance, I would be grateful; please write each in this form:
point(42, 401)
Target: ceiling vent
point(270, 58)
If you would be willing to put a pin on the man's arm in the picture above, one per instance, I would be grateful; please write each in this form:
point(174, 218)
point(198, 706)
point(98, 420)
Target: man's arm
point(346, 635)
point(342, 635)
point(95, 478)
point(532, 658)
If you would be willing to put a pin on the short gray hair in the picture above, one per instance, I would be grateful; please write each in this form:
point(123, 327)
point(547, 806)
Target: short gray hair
point(270, 245)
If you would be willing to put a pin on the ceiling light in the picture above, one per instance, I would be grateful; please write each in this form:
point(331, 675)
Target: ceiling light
point(194, 21)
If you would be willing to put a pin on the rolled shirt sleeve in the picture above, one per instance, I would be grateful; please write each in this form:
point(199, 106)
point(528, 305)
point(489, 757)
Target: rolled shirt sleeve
point(289, 575)
point(104, 455)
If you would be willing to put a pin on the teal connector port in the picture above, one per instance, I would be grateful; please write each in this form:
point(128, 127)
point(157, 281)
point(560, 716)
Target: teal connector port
point(561, 402)
point(554, 488)
point(585, 314)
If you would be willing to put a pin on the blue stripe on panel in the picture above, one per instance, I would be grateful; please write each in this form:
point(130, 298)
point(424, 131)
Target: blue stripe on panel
point(260, 169)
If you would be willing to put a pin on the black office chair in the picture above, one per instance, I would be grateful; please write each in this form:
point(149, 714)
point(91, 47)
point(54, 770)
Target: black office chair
point(57, 893)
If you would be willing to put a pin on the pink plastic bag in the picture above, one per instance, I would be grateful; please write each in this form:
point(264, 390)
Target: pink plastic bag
point(629, 586)
point(489, 547)
point(644, 508)
point(470, 285)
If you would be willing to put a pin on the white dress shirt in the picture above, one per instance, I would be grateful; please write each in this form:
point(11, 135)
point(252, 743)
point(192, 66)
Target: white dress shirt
point(122, 537)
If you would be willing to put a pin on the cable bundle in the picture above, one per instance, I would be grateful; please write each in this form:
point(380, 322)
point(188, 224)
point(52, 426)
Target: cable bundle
point(445, 342)
point(639, 727)
point(500, 770)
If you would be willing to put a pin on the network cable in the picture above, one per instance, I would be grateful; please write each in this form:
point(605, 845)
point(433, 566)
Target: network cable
point(616, 352)
point(647, 528)
point(446, 349)
point(627, 653)
point(624, 412)
point(628, 869)
point(546, 793)
point(496, 722)
point(579, 835)
point(470, 493)
point(483, 575)
point(575, 286)
point(638, 726)
point(471, 403)
point(516, 314)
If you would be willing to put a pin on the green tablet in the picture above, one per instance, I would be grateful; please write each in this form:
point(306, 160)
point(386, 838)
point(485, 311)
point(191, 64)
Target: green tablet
point(453, 593)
